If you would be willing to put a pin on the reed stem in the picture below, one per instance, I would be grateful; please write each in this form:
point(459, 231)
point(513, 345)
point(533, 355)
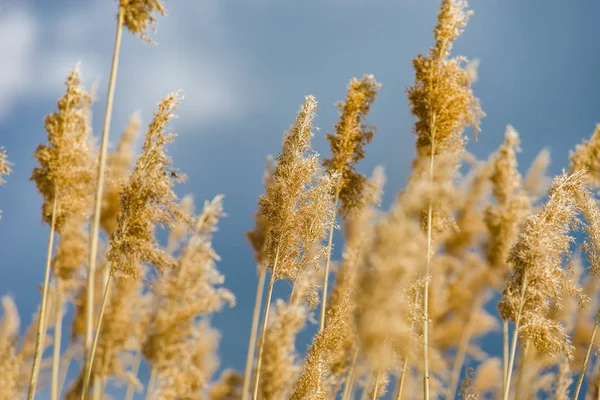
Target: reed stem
point(41, 332)
point(260, 287)
point(513, 348)
point(90, 361)
point(328, 262)
point(134, 371)
point(586, 359)
point(264, 326)
point(350, 378)
point(54, 388)
point(95, 224)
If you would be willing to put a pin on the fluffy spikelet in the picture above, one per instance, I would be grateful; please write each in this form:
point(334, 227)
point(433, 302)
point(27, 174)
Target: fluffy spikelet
point(441, 97)
point(488, 376)
point(537, 181)
point(10, 360)
point(538, 282)
point(66, 172)
point(229, 386)
point(138, 16)
point(181, 228)
point(147, 200)
point(297, 206)
point(467, 392)
point(384, 306)
point(330, 354)
point(347, 144)
point(587, 155)
point(257, 236)
point(122, 329)
point(279, 368)
point(192, 289)
point(563, 380)
point(504, 219)
point(72, 250)
point(118, 168)
point(188, 378)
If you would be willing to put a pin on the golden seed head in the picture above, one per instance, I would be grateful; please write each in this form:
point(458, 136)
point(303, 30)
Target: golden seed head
point(147, 200)
point(347, 144)
point(138, 16)
point(66, 173)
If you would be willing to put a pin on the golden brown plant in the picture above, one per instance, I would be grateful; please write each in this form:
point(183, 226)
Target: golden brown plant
point(4, 168)
point(228, 387)
point(118, 168)
point(538, 281)
point(65, 174)
point(147, 200)
point(298, 207)
point(330, 355)
point(587, 155)
point(138, 16)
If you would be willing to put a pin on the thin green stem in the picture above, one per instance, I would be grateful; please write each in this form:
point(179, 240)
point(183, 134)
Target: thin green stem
point(41, 332)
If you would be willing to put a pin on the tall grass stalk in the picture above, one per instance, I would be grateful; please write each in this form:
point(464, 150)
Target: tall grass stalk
point(41, 331)
point(461, 351)
point(349, 385)
point(134, 372)
point(587, 358)
point(260, 287)
point(328, 262)
point(428, 271)
point(90, 363)
point(515, 338)
point(95, 225)
point(402, 380)
point(264, 327)
point(55, 388)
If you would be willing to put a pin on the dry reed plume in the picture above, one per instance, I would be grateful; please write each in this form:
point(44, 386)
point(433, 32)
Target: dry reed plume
point(409, 313)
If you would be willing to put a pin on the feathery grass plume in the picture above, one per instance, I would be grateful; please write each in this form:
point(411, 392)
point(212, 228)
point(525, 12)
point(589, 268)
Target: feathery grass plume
point(504, 219)
point(147, 200)
point(488, 376)
point(118, 168)
point(257, 236)
point(330, 355)
point(122, 330)
point(192, 289)
point(383, 309)
point(66, 170)
point(64, 178)
point(467, 392)
point(138, 16)
point(379, 386)
point(537, 181)
point(228, 387)
point(537, 281)
point(257, 239)
point(469, 216)
point(11, 361)
point(286, 202)
point(280, 367)
point(347, 149)
point(298, 208)
point(587, 155)
point(72, 251)
point(181, 228)
point(189, 377)
point(563, 381)
point(351, 135)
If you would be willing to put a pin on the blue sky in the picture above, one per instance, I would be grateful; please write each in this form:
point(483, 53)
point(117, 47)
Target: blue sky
point(244, 68)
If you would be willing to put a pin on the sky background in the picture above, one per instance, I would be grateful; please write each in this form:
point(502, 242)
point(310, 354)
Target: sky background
point(244, 68)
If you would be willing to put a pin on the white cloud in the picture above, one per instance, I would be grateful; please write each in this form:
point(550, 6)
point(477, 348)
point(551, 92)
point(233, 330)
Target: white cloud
point(210, 70)
point(17, 38)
